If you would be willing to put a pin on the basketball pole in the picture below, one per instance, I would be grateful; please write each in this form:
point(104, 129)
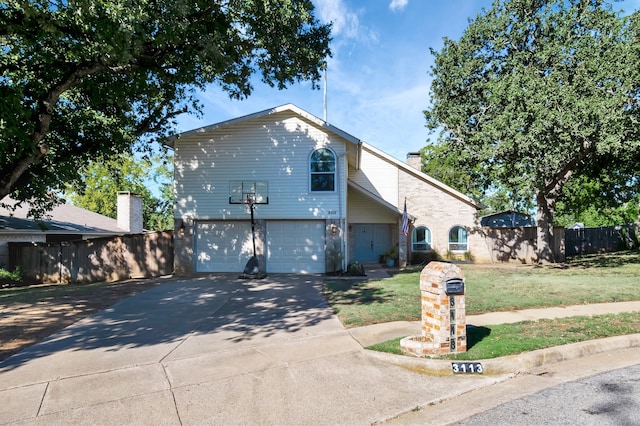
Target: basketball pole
point(253, 226)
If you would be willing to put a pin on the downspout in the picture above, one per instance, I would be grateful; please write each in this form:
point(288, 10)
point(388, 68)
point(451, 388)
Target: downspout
point(346, 230)
point(343, 220)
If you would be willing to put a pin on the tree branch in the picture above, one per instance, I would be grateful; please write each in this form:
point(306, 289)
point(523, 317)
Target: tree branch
point(42, 119)
point(146, 126)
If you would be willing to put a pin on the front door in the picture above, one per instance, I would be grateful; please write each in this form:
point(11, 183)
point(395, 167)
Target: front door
point(371, 240)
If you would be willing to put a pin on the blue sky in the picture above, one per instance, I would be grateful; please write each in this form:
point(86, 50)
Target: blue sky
point(378, 77)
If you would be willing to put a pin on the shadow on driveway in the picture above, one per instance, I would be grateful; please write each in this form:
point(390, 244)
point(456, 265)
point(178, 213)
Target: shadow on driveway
point(242, 310)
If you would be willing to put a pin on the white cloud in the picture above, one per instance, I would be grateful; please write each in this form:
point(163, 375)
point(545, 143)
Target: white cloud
point(346, 22)
point(396, 5)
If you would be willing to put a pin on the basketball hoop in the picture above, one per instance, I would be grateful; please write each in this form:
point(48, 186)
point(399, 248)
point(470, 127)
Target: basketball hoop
point(248, 194)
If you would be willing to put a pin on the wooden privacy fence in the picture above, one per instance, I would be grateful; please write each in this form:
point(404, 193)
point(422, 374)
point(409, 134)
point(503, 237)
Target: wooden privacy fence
point(519, 245)
point(100, 259)
point(598, 240)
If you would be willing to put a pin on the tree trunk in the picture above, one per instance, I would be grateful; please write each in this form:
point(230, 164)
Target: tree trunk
point(546, 207)
point(8, 180)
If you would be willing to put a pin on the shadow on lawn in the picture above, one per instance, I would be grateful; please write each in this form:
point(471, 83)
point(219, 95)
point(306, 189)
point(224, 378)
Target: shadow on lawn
point(476, 334)
point(608, 260)
point(353, 293)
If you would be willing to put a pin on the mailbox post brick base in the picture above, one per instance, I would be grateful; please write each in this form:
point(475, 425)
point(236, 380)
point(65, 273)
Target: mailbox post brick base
point(444, 329)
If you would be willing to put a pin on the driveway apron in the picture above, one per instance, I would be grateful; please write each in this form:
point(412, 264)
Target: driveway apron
point(214, 350)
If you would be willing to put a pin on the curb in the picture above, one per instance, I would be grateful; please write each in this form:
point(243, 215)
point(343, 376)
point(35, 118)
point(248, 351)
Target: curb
point(513, 364)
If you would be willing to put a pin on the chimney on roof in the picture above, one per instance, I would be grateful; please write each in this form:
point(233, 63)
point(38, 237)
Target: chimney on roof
point(414, 160)
point(130, 212)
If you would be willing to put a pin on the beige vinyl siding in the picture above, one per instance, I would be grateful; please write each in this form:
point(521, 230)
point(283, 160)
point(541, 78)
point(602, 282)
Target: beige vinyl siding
point(275, 149)
point(377, 176)
point(363, 209)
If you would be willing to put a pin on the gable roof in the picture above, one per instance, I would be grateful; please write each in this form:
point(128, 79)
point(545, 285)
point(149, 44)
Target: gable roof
point(63, 219)
point(353, 156)
point(287, 107)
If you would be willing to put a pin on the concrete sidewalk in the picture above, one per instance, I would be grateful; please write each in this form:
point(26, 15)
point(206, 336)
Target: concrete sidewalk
point(377, 333)
point(218, 350)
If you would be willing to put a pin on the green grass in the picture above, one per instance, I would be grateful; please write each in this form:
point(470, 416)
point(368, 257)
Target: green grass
point(505, 289)
point(495, 288)
point(490, 288)
point(359, 303)
point(510, 339)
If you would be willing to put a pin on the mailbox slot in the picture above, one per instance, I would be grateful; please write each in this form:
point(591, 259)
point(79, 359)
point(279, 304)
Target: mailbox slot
point(454, 286)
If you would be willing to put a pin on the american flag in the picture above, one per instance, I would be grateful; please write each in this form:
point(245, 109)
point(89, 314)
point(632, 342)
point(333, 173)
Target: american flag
point(405, 220)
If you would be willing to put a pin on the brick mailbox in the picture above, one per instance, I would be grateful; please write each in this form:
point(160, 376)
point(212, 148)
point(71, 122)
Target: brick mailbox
point(444, 328)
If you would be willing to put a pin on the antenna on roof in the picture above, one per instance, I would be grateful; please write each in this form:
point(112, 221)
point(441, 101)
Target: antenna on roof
point(325, 90)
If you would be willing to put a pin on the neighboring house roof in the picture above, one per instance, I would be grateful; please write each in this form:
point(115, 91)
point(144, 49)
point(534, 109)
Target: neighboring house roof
point(63, 219)
point(507, 219)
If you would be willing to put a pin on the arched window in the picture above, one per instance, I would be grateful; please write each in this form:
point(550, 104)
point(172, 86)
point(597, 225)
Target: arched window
point(322, 170)
point(458, 239)
point(421, 239)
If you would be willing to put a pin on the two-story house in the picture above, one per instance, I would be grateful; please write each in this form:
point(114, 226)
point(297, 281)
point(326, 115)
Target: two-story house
point(319, 197)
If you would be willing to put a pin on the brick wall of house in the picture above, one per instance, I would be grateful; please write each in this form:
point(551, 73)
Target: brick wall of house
point(440, 210)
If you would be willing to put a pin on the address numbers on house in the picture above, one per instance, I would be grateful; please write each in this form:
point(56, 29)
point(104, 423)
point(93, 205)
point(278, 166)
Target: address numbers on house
point(467, 368)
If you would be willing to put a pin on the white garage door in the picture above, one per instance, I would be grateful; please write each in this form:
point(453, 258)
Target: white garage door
point(223, 246)
point(295, 247)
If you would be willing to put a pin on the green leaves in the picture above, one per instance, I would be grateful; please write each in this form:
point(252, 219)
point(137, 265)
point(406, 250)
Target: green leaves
point(103, 178)
point(535, 90)
point(90, 77)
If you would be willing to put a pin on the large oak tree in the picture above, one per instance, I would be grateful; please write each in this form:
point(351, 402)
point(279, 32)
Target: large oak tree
point(81, 79)
point(536, 92)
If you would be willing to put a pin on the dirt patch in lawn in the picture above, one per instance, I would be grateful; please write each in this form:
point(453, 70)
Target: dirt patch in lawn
point(30, 314)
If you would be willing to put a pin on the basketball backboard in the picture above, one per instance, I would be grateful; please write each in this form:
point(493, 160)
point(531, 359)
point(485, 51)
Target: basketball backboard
point(248, 191)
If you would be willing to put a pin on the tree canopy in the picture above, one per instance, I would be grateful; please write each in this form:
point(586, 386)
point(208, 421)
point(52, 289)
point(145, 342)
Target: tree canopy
point(602, 198)
point(103, 178)
point(442, 164)
point(84, 79)
point(536, 92)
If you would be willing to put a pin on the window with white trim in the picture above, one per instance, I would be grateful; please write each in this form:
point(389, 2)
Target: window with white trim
point(421, 239)
point(322, 170)
point(458, 239)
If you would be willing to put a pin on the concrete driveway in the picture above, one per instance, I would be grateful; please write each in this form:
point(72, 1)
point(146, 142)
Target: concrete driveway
point(214, 350)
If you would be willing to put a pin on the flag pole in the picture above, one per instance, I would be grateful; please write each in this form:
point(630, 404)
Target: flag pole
point(325, 90)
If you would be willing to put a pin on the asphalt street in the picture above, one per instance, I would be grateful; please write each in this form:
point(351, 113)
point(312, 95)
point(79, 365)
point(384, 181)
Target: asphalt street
point(610, 398)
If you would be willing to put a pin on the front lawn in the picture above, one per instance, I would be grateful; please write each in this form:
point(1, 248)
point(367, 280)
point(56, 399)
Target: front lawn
point(509, 339)
point(492, 288)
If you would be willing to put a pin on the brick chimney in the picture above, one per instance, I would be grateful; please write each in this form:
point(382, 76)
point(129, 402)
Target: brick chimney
point(414, 160)
point(130, 212)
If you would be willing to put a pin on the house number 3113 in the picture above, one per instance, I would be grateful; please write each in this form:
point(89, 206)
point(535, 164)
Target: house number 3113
point(467, 368)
